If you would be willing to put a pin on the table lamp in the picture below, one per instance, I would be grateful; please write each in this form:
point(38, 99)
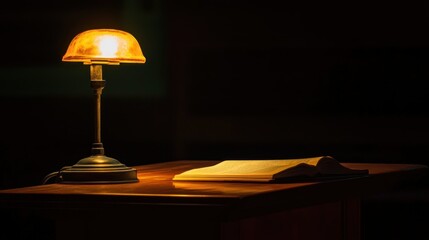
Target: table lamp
point(95, 48)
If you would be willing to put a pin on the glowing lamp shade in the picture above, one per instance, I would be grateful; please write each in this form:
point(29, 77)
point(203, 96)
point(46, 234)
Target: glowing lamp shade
point(104, 46)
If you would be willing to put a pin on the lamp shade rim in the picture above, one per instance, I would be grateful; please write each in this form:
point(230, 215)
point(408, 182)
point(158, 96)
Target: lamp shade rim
point(86, 59)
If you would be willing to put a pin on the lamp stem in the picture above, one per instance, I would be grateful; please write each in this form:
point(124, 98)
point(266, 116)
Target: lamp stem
point(97, 85)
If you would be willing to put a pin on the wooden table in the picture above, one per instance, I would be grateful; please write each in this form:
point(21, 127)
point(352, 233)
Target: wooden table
point(158, 208)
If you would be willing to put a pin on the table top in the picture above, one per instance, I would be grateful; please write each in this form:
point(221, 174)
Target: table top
point(155, 187)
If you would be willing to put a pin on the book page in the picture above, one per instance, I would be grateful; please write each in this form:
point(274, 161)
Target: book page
point(263, 168)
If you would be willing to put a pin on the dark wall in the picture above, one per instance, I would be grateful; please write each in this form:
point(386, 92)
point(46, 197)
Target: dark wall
point(224, 79)
point(271, 79)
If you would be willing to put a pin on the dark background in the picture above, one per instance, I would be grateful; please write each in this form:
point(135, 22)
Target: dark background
point(223, 79)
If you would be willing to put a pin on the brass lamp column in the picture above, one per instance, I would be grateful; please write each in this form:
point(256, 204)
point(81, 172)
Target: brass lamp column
point(94, 48)
point(97, 85)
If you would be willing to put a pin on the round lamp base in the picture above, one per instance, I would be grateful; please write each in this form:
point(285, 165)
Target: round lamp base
point(98, 169)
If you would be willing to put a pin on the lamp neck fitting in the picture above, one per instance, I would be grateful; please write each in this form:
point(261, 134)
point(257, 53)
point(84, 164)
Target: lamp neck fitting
point(96, 72)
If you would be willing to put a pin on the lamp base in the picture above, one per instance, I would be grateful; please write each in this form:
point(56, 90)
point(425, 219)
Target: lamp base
point(98, 169)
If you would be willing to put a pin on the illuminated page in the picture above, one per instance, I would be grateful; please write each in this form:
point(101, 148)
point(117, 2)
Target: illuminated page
point(246, 169)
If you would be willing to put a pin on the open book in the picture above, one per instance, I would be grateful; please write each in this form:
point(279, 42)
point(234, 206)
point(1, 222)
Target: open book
point(270, 170)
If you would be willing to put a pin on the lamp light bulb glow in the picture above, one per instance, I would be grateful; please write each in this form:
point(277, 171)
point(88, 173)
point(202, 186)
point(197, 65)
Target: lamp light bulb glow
point(108, 46)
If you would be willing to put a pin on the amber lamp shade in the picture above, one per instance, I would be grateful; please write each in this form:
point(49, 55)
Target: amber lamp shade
point(95, 48)
point(104, 46)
